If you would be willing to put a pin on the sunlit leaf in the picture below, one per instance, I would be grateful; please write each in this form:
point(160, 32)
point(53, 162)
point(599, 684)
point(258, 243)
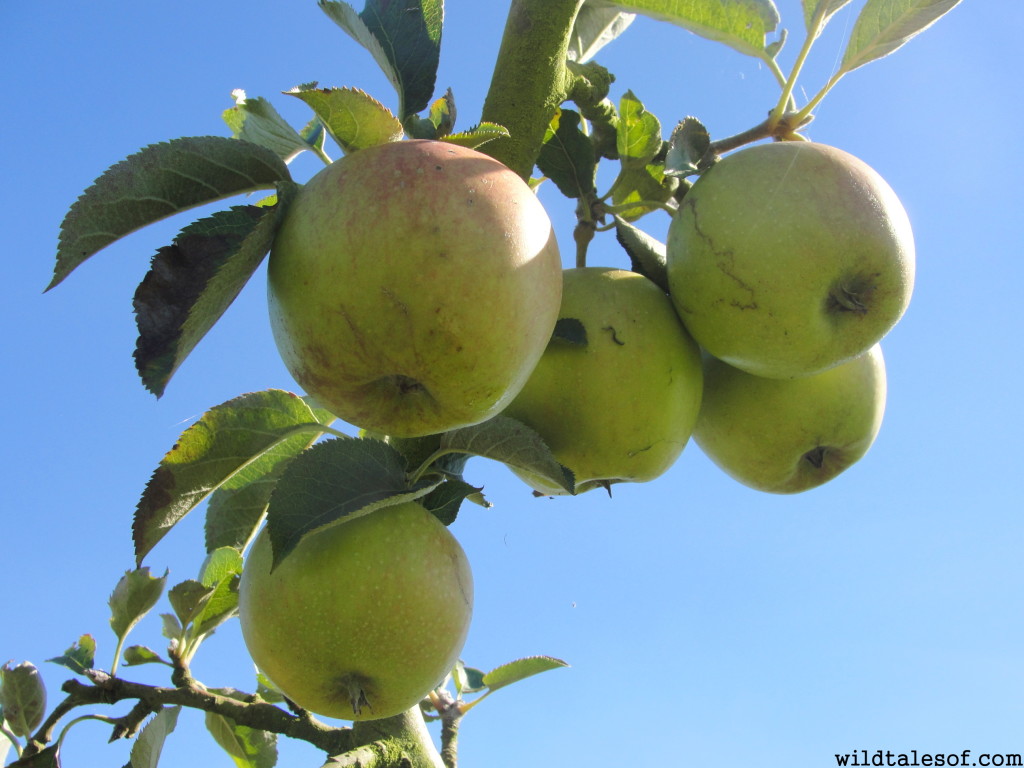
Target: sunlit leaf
point(256, 120)
point(885, 25)
point(354, 119)
point(595, 26)
point(22, 697)
point(520, 669)
point(80, 656)
point(150, 741)
point(134, 596)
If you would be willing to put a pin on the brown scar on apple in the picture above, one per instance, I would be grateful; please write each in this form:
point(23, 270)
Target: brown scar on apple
point(615, 338)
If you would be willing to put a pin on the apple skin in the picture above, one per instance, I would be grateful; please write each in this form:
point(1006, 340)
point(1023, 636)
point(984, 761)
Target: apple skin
point(413, 286)
point(363, 619)
point(787, 436)
point(621, 408)
point(786, 259)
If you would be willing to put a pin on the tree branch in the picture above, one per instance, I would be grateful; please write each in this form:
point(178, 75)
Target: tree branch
point(530, 78)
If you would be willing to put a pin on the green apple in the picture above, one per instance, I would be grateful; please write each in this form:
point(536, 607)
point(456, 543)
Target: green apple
point(786, 259)
point(413, 286)
point(790, 435)
point(622, 406)
point(362, 619)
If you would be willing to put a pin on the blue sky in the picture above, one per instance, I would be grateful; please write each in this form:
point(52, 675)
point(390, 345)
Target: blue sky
point(706, 623)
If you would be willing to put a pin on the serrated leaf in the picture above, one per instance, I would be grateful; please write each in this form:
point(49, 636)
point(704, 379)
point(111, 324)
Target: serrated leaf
point(567, 155)
point(740, 24)
point(520, 669)
point(223, 563)
point(477, 135)
point(595, 26)
point(404, 37)
point(212, 452)
point(336, 479)
point(818, 12)
point(135, 655)
point(257, 120)
point(638, 132)
point(689, 148)
point(22, 697)
point(80, 656)
point(639, 190)
point(511, 442)
point(647, 255)
point(193, 281)
point(150, 741)
point(885, 25)
point(133, 597)
point(247, 747)
point(236, 509)
point(156, 182)
point(353, 118)
point(445, 500)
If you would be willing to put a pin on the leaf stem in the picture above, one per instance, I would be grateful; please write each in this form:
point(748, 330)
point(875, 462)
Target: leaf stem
point(783, 106)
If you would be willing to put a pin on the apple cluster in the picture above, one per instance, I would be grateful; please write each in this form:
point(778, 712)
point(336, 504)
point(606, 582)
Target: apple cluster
point(416, 287)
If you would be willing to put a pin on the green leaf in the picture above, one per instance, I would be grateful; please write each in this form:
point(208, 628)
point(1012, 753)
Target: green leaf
point(445, 500)
point(647, 255)
point(477, 135)
point(188, 598)
point(520, 669)
point(80, 656)
point(689, 148)
point(248, 747)
point(237, 508)
point(171, 628)
point(468, 679)
point(150, 742)
point(638, 134)
point(159, 181)
point(567, 155)
point(740, 24)
point(44, 758)
point(134, 655)
point(510, 442)
point(885, 25)
point(595, 26)
point(257, 121)
point(353, 118)
point(404, 37)
point(133, 597)
point(823, 7)
point(337, 479)
point(220, 572)
point(193, 281)
point(644, 186)
point(22, 697)
point(442, 114)
point(212, 452)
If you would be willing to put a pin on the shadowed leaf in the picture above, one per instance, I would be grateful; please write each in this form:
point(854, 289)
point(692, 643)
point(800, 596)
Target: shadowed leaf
point(159, 181)
point(689, 148)
point(337, 479)
point(248, 747)
point(193, 281)
point(150, 742)
point(646, 254)
point(134, 596)
point(595, 26)
point(236, 509)
point(510, 442)
point(404, 37)
point(445, 500)
point(80, 656)
point(213, 451)
point(567, 155)
point(22, 697)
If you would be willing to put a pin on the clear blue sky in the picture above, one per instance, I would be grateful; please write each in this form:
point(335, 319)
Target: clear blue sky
point(706, 624)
